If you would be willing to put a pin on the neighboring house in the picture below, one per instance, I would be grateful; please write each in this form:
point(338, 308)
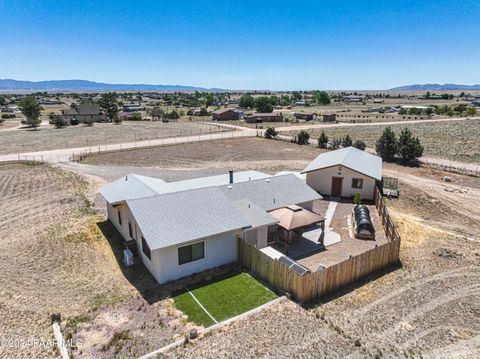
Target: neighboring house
point(225, 114)
point(133, 108)
point(352, 98)
point(84, 112)
point(304, 116)
point(185, 227)
point(331, 117)
point(264, 117)
point(10, 108)
point(344, 172)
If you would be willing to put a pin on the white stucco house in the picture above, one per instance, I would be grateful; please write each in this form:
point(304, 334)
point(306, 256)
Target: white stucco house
point(185, 227)
point(344, 172)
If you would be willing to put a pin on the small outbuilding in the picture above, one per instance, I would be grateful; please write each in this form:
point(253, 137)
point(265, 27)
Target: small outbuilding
point(307, 116)
point(344, 172)
point(264, 117)
point(225, 114)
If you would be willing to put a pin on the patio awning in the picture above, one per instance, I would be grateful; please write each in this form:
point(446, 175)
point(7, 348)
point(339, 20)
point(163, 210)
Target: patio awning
point(294, 217)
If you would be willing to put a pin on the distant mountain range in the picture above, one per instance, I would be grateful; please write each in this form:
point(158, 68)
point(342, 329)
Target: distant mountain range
point(436, 87)
point(84, 85)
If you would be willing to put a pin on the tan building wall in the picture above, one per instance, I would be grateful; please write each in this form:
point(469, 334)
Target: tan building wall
point(321, 181)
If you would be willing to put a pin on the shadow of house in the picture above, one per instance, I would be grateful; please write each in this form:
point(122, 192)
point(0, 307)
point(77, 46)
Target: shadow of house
point(146, 285)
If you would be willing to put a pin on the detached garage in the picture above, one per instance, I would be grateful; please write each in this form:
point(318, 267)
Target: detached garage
point(344, 172)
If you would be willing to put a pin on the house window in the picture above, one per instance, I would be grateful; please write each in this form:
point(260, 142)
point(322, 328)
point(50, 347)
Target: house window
point(119, 217)
point(191, 253)
point(146, 248)
point(130, 229)
point(357, 183)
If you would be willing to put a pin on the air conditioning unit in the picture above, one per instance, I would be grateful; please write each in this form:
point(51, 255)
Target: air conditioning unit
point(128, 258)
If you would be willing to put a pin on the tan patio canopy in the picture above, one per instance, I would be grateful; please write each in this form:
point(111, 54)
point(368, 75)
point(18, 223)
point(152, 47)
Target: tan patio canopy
point(293, 219)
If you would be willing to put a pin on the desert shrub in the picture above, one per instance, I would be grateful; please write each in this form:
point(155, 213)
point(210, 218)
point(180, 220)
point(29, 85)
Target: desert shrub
point(8, 115)
point(117, 120)
point(270, 132)
point(357, 198)
point(58, 121)
point(303, 137)
point(322, 140)
point(361, 145)
point(347, 141)
point(88, 122)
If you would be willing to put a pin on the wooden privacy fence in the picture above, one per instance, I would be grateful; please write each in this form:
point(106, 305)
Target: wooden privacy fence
point(312, 285)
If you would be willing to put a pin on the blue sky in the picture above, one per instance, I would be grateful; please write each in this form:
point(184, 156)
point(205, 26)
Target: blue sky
point(243, 44)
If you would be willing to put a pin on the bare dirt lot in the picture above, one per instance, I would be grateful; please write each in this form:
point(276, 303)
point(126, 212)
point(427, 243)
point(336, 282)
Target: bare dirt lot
point(429, 307)
point(455, 140)
point(49, 138)
point(55, 258)
point(237, 154)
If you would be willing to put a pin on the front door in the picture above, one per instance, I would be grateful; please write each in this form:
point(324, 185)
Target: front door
point(337, 186)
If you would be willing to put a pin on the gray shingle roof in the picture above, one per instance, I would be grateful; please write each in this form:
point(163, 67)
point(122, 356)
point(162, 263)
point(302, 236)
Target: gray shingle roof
point(217, 180)
point(273, 192)
point(181, 217)
point(134, 186)
point(254, 214)
point(350, 157)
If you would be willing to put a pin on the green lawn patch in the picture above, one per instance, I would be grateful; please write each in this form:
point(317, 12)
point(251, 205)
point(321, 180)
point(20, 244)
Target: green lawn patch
point(223, 298)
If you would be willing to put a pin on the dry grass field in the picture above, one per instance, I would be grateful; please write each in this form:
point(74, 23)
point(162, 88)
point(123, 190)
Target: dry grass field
point(237, 154)
point(429, 308)
point(49, 138)
point(455, 140)
point(55, 258)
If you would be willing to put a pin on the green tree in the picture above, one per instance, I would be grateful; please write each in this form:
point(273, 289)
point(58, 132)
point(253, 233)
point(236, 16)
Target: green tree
point(3, 101)
point(58, 121)
point(31, 110)
point(460, 109)
point(296, 96)
point(386, 145)
point(108, 101)
point(429, 111)
point(323, 140)
point(247, 101)
point(156, 112)
point(347, 141)
point(303, 137)
point(263, 104)
point(270, 132)
point(471, 111)
point(209, 99)
point(409, 148)
point(321, 97)
point(360, 145)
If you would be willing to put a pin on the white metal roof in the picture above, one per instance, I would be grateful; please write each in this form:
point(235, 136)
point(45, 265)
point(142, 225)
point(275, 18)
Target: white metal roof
point(134, 186)
point(185, 216)
point(217, 180)
point(273, 192)
point(350, 157)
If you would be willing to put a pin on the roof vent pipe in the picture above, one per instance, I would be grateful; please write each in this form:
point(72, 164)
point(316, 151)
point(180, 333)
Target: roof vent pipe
point(126, 178)
point(231, 176)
